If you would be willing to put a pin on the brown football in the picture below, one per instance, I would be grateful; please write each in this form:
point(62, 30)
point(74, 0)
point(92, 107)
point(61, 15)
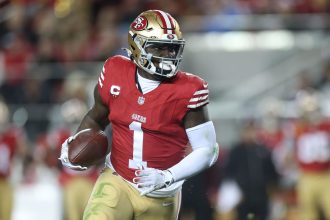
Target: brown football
point(88, 147)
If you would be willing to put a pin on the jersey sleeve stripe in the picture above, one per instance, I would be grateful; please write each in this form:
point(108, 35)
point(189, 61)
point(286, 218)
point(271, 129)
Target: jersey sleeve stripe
point(199, 98)
point(100, 82)
point(199, 92)
point(102, 75)
point(198, 104)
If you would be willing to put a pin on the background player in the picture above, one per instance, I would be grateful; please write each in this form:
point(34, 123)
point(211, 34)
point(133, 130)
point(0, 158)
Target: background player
point(12, 143)
point(155, 110)
point(312, 153)
point(76, 185)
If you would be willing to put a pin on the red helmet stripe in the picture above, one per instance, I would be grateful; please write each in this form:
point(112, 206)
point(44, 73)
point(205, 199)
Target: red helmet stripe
point(167, 23)
point(172, 24)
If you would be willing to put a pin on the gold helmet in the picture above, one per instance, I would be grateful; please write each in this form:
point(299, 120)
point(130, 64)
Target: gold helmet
point(309, 106)
point(308, 101)
point(155, 29)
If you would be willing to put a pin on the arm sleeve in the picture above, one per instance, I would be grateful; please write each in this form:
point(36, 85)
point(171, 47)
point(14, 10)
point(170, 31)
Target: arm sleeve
point(205, 152)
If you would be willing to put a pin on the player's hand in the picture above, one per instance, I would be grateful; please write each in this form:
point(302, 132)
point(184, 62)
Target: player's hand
point(64, 158)
point(150, 179)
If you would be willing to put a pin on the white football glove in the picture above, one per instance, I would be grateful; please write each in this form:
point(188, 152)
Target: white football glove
point(151, 179)
point(64, 158)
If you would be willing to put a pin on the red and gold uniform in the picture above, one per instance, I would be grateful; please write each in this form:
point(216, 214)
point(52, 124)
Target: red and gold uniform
point(77, 185)
point(9, 146)
point(147, 131)
point(313, 156)
point(138, 118)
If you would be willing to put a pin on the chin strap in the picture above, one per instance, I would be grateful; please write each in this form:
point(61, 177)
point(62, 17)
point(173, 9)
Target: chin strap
point(165, 69)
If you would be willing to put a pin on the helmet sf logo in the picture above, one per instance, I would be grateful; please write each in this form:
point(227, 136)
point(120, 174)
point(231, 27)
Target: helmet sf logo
point(140, 23)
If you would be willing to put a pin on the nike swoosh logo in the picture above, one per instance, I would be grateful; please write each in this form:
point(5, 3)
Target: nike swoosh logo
point(167, 203)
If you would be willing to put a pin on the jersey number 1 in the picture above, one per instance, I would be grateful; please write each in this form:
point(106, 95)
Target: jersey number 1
point(137, 161)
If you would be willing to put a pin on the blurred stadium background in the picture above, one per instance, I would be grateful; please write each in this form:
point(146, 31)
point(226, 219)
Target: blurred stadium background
point(257, 55)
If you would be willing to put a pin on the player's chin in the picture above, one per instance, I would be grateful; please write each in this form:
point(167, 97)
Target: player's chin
point(161, 78)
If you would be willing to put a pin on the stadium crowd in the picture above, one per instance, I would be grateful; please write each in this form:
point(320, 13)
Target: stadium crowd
point(40, 45)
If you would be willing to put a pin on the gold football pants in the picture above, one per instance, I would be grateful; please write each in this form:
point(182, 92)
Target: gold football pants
point(113, 199)
point(314, 195)
point(6, 199)
point(76, 193)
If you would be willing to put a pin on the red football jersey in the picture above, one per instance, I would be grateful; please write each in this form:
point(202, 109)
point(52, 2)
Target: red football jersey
point(8, 147)
point(271, 139)
point(48, 146)
point(313, 147)
point(147, 128)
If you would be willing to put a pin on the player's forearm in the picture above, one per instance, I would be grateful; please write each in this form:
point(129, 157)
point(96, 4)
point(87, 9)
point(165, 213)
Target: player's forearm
point(197, 161)
point(205, 152)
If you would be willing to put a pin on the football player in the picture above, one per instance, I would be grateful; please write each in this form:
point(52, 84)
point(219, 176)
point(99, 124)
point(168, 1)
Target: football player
point(312, 153)
point(76, 186)
point(154, 110)
point(13, 143)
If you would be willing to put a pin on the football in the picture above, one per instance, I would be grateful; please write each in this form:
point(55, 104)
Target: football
point(88, 147)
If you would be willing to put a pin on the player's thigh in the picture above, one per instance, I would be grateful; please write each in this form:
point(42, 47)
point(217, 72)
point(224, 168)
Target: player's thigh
point(6, 199)
point(325, 195)
point(109, 199)
point(157, 208)
point(76, 195)
point(307, 192)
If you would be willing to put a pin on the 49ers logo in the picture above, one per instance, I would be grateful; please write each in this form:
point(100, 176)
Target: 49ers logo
point(140, 23)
